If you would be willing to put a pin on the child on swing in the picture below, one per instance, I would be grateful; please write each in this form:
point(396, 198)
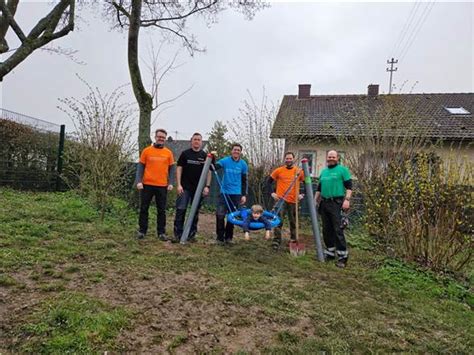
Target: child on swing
point(256, 215)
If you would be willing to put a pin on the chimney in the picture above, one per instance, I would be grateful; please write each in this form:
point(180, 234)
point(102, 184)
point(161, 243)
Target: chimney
point(304, 91)
point(373, 90)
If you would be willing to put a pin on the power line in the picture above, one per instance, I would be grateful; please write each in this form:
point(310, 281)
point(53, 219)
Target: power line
point(417, 29)
point(405, 27)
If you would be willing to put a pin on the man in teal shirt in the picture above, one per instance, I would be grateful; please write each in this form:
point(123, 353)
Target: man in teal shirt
point(332, 196)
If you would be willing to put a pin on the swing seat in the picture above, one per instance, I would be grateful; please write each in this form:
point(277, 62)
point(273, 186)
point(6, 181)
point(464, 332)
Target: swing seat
point(238, 218)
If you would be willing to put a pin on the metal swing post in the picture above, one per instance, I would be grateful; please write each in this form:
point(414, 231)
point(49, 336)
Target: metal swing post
point(312, 210)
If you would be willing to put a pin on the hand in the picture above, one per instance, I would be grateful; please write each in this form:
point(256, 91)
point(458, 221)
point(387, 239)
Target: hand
point(179, 189)
point(205, 191)
point(140, 186)
point(247, 236)
point(275, 196)
point(170, 187)
point(345, 205)
point(267, 235)
point(300, 197)
point(243, 199)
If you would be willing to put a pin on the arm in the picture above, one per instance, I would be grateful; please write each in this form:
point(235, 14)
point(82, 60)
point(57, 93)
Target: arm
point(317, 195)
point(347, 198)
point(139, 176)
point(266, 222)
point(246, 225)
point(243, 199)
point(179, 172)
point(207, 188)
point(171, 172)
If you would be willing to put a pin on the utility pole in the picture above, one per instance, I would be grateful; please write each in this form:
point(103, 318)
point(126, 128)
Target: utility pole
point(176, 135)
point(391, 70)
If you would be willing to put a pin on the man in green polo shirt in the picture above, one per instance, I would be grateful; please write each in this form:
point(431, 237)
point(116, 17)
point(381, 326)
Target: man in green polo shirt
point(332, 196)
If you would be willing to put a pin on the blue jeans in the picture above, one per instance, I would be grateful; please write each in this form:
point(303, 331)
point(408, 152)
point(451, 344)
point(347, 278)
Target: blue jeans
point(182, 202)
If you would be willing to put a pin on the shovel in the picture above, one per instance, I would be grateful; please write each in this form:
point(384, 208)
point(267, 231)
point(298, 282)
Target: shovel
point(297, 248)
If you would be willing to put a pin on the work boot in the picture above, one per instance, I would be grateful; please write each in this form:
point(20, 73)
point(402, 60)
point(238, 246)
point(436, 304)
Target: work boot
point(163, 237)
point(275, 245)
point(341, 263)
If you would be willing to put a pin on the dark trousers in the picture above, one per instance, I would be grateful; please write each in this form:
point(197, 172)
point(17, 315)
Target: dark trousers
point(146, 195)
point(333, 234)
point(224, 229)
point(182, 202)
point(288, 209)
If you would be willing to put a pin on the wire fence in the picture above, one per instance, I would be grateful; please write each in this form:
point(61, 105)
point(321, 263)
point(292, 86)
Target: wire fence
point(30, 152)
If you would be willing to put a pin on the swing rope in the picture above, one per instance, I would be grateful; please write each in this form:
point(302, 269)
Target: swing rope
point(226, 198)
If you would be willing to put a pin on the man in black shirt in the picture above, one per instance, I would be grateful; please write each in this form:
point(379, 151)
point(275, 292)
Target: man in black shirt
point(188, 172)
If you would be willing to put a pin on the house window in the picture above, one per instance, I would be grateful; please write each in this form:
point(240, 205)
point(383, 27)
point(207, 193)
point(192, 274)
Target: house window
point(457, 110)
point(311, 156)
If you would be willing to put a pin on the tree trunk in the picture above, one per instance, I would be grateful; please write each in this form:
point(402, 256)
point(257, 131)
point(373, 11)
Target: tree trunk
point(144, 99)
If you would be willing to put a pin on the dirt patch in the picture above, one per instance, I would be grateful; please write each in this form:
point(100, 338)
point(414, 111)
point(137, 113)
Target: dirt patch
point(170, 312)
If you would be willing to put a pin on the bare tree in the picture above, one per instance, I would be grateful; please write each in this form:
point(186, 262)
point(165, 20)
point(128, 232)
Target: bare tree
point(170, 17)
point(158, 73)
point(252, 129)
point(56, 24)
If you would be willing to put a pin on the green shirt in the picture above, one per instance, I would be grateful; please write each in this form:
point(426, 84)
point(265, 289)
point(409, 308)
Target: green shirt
point(332, 181)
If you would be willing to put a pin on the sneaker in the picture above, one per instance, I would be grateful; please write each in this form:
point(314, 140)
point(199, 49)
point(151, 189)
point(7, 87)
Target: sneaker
point(220, 242)
point(163, 237)
point(175, 240)
point(341, 263)
point(229, 242)
point(192, 240)
point(275, 246)
point(140, 235)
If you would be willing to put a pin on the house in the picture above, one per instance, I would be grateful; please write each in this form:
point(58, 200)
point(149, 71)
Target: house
point(313, 124)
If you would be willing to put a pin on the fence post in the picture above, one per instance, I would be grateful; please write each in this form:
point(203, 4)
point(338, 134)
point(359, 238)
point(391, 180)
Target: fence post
point(59, 169)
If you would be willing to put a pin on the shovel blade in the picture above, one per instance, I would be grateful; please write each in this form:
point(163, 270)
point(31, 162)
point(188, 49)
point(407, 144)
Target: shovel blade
point(297, 249)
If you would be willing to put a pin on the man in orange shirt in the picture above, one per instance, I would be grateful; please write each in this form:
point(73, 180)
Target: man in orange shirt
point(284, 177)
point(154, 172)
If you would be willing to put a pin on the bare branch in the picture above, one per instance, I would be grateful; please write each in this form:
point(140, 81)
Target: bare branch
point(10, 19)
point(120, 9)
point(194, 10)
point(174, 98)
point(45, 31)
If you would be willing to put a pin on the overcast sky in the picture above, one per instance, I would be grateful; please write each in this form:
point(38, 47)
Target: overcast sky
point(338, 48)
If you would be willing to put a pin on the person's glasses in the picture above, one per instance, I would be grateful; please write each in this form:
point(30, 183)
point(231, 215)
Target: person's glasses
point(161, 137)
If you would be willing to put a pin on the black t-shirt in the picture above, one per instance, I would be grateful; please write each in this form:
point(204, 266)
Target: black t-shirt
point(192, 163)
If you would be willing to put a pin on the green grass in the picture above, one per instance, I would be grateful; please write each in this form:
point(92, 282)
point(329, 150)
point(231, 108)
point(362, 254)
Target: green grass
point(54, 251)
point(72, 323)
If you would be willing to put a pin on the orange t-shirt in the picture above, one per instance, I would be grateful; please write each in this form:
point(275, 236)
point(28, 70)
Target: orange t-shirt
point(157, 162)
point(284, 177)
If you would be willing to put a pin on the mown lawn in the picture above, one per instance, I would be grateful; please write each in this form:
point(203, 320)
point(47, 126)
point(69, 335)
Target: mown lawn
point(69, 283)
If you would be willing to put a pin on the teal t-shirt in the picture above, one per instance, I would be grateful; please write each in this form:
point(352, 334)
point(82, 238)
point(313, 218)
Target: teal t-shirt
point(332, 181)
